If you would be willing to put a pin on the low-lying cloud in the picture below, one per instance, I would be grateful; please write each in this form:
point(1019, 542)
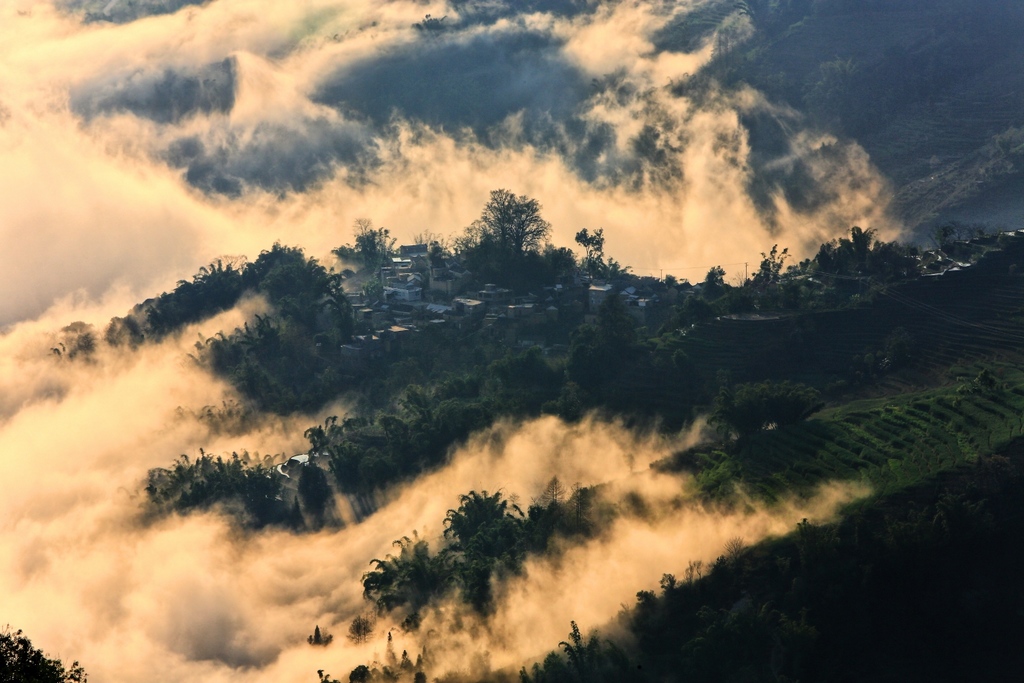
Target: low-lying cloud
point(90, 578)
point(137, 151)
point(138, 148)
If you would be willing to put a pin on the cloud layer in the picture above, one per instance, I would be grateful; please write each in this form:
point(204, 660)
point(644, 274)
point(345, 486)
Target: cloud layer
point(91, 579)
point(142, 140)
point(142, 143)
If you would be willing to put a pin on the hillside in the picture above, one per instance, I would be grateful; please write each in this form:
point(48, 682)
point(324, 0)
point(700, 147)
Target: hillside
point(876, 366)
point(934, 91)
point(512, 341)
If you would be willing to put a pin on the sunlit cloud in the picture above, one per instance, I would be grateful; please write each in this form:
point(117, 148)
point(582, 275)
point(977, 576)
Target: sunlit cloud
point(142, 140)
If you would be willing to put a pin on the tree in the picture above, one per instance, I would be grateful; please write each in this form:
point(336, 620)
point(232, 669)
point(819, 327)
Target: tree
point(314, 491)
point(581, 652)
point(593, 243)
point(360, 674)
point(514, 223)
point(319, 638)
point(553, 493)
point(579, 503)
point(598, 353)
point(753, 407)
point(361, 628)
point(714, 283)
point(22, 663)
point(373, 245)
point(770, 270)
point(412, 578)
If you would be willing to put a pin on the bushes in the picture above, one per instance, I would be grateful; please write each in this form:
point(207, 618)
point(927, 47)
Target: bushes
point(767, 405)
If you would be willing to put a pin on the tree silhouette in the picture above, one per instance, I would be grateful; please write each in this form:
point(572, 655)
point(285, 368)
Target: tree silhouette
point(593, 244)
point(361, 628)
point(19, 661)
point(514, 222)
point(314, 491)
point(319, 638)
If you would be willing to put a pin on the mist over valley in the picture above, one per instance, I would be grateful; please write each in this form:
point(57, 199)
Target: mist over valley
point(559, 340)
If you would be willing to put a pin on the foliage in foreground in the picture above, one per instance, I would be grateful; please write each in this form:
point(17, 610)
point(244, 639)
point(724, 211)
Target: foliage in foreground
point(20, 662)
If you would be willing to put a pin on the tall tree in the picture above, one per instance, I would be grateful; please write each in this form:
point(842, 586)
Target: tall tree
point(514, 222)
point(314, 491)
point(373, 245)
point(593, 244)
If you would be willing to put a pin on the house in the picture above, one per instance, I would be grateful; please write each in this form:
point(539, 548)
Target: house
point(413, 251)
point(395, 267)
point(442, 281)
point(468, 307)
point(638, 309)
point(438, 310)
point(446, 275)
point(394, 336)
point(596, 295)
point(409, 291)
point(404, 287)
point(357, 354)
point(293, 465)
point(493, 295)
point(526, 314)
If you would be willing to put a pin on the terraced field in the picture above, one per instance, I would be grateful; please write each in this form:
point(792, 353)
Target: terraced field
point(960, 398)
point(890, 443)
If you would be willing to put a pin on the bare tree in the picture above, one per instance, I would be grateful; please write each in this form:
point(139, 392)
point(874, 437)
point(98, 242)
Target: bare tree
point(553, 493)
point(361, 629)
point(514, 222)
point(734, 548)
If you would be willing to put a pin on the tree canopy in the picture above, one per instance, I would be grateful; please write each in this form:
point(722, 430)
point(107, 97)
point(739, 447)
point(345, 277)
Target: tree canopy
point(514, 222)
point(20, 662)
point(752, 407)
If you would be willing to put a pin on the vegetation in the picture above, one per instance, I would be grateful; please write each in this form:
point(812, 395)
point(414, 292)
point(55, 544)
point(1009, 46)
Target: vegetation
point(751, 408)
point(844, 321)
point(20, 662)
point(252, 490)
point(485, 537)
point(872, 362)
point(920, 585)
point(508, 244)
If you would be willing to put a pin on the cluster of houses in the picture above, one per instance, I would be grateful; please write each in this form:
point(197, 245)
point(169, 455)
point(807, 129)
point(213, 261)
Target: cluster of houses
point(423, 289)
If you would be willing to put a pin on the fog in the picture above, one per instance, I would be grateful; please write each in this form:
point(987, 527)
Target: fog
point(142, 143)
point(91, 578)
point(142, 140)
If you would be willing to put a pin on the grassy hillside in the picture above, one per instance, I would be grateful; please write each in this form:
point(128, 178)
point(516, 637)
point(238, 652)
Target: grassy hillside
point(890, 442)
